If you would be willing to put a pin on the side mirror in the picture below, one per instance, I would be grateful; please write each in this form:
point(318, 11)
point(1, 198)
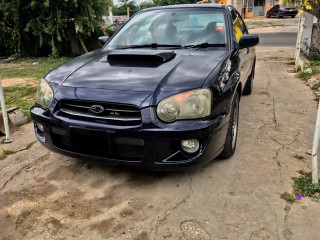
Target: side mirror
point(102, 40)
point(249, 40)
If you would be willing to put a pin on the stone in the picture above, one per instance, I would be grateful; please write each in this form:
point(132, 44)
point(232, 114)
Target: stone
point(308, 70)
point(312, 81)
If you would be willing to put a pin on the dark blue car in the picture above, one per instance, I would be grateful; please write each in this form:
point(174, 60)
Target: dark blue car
point(162, 93)
point(282, 10)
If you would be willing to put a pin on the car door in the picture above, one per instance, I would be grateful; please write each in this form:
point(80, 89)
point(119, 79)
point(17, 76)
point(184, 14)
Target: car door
point(246, 60)
point(275, 10)
point(271, 11)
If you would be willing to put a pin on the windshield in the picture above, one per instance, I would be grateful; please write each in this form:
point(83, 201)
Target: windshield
point(174, 27)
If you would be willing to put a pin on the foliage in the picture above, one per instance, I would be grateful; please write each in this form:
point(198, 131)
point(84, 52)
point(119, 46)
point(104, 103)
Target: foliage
point(123, 4)
point(307, 75)
point(42, 27)
point(110, 31)
point(299, 157)
point(172, 2)
point(122, 8)
point(311, 6)
point(5, 154)
point(303, 185)
point(288, 197)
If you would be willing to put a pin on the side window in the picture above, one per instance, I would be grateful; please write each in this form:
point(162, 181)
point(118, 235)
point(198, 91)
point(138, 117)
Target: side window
point(239, 28)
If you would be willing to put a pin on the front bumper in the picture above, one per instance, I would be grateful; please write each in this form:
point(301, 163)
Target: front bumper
point(152, 144)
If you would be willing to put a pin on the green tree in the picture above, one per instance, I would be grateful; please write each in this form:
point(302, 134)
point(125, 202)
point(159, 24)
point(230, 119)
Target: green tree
point(172, 2)
point(45, 26)
point(122, 8)
point(304, 5)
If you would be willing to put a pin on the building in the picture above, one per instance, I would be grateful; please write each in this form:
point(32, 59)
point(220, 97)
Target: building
point(248, 8)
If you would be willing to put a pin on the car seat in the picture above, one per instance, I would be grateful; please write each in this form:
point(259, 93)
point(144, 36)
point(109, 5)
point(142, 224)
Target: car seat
point(212, 35)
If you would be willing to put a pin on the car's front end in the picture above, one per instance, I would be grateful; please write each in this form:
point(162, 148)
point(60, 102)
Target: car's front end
point(138, 140)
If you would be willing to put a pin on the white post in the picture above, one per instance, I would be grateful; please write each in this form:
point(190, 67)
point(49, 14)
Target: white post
point(5, 115)
point(314, 158)
point(110, 15)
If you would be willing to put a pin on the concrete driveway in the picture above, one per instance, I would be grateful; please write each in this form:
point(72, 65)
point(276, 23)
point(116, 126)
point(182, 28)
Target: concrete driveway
point(47, 196)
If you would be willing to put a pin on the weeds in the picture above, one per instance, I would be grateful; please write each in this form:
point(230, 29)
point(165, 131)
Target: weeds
point(307, 75)
point(299, 157)
point(303, 187)
point(304, 75)
point(5, 154)
point(288, 197)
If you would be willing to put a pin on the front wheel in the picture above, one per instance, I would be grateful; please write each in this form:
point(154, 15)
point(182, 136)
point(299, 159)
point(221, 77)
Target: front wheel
point(268, 15)
point(231, 139)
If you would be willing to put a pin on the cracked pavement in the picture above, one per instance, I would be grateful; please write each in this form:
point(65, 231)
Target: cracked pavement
point(44, 195)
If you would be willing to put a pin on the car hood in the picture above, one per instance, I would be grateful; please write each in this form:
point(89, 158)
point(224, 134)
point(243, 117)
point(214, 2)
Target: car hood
point(184, 70)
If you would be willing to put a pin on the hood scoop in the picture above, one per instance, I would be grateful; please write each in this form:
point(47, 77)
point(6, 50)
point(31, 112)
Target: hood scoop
point(120, 56)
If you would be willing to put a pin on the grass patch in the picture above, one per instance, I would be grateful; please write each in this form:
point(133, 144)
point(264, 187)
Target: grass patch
point(23, 96)
point(20, 96)
point(290, 198)
point(315, 63)
point(307, 75)
point(5, 154)
point(304, 75)
point(260, 24)
point(303, 187)
point(24, 68)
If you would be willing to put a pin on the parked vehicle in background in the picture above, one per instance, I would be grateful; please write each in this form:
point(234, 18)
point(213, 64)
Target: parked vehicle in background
point(281, 10)
point(162, 93)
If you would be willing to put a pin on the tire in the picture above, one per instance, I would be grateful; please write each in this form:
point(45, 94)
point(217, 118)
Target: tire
point(249, 84)
point(293, 16)
point(268, 15)
point(231, 139)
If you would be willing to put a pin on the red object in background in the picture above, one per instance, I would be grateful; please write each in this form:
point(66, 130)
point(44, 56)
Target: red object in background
point(220, 28)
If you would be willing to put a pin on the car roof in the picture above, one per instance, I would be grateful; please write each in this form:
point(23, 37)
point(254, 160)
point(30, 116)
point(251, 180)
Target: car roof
point(186, 6)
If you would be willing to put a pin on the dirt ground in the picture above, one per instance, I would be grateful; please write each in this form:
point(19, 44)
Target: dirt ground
point(44, 195)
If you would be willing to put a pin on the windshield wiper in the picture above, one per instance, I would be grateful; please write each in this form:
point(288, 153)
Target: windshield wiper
point(152, 45)
point(205, 45)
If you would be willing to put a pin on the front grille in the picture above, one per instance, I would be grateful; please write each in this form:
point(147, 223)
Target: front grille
point(101, 144)
point(113, 113)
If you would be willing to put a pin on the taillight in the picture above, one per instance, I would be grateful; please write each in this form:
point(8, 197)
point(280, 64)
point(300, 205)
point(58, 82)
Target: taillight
point(294, 9)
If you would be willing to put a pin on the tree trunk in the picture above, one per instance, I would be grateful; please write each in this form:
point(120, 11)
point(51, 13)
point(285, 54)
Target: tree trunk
point(82, 44)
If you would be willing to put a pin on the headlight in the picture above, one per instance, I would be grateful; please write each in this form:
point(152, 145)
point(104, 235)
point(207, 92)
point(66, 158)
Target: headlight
point(44, 95)
point(187, 105)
